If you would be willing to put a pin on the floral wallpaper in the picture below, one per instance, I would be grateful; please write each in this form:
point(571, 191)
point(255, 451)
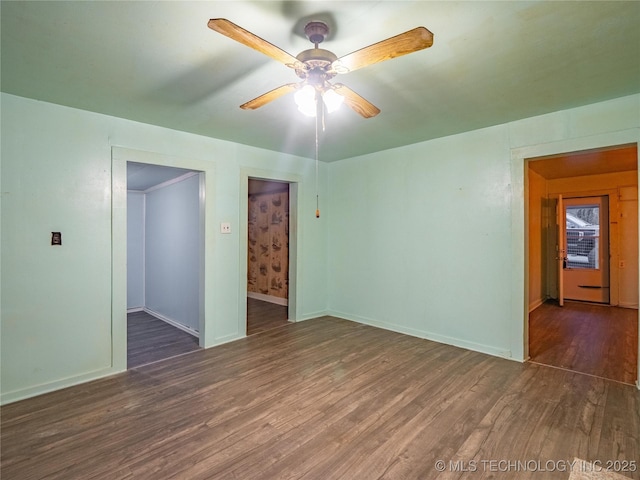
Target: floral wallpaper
point(268, 255)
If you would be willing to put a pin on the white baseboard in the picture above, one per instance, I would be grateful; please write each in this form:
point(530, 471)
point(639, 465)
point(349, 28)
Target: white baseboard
point(29, 392)
point(135, 309)
point(268, 298)
point(173, 323)
point(311, 316)
point(476, 347)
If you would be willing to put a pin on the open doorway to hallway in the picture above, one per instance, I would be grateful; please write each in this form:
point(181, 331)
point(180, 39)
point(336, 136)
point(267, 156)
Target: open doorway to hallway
point(584, 336)
point(598, 340)
point(267, 255)
point(164, 249)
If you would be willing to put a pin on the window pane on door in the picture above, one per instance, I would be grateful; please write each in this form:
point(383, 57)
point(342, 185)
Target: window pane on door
point(583, 236)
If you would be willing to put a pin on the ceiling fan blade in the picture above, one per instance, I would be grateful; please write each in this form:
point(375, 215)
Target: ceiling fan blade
point(269, 96)
point(408, 42)
point(356, 102)
point(239, 34)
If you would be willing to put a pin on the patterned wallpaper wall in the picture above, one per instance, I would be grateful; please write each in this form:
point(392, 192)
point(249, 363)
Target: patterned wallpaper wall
point(268, 256)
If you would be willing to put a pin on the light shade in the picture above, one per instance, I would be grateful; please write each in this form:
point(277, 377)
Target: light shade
point(332, 100)
point(305, 98)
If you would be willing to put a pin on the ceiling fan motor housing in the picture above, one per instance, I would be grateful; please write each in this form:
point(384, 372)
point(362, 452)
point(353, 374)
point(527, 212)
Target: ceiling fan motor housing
point(317, 62)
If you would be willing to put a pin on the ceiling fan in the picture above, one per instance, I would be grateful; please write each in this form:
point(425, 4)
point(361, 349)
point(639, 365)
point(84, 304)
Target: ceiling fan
point(316, 66)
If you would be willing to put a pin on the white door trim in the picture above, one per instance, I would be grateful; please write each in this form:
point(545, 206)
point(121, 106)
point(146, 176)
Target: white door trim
point(119, 158)
point(295, 194)
point(519, 209)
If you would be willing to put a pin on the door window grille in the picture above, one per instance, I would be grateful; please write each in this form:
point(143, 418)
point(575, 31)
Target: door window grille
point(583, 236)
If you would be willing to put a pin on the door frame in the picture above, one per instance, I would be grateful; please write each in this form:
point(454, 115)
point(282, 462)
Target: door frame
point(520, 214)
point(295, 195)
point(119, 158)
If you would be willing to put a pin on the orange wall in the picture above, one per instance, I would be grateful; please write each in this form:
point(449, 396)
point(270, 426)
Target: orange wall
point(537, 233)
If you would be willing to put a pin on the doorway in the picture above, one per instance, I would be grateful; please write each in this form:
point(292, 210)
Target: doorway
point(582, 246)
point(164, 238)
point(268, 262)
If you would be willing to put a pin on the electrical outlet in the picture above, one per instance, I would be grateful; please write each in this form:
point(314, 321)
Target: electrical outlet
point(621, 264)
point(225, 227)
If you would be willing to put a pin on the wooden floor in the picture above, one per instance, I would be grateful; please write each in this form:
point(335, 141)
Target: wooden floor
point(150, 340)
point(594, 339)
point(263, 316)
point(324, 399)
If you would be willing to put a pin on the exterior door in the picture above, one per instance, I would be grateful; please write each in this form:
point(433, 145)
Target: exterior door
point(585, 273)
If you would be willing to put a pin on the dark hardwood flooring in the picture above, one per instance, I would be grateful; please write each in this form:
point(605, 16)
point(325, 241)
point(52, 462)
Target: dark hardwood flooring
point(594, 339)
point(263, 316)
point(150, 340)
point(324, 399)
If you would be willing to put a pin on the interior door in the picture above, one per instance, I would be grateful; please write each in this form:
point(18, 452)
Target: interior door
point(586, 240)
point(560, 248)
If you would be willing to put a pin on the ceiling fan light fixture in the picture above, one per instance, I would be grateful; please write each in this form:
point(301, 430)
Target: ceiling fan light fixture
point(332, 100)
point(305, 99)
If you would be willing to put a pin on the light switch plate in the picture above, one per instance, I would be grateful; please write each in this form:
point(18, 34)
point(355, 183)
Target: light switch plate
point(225, 227)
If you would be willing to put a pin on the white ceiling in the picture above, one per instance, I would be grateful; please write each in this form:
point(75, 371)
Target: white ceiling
point(143, 176)
point(157, 62)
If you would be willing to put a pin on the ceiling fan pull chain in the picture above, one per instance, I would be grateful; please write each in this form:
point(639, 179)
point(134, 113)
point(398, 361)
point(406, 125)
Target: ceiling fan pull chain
point(318, 108)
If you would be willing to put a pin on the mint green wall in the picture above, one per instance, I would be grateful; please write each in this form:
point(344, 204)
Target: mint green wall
point(419, 239)
point(429, 239)
point(57, 176)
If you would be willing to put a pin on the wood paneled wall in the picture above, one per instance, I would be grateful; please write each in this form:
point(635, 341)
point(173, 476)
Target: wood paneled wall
point(268, 254)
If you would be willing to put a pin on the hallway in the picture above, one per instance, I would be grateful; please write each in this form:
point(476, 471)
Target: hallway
point(597, 340)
